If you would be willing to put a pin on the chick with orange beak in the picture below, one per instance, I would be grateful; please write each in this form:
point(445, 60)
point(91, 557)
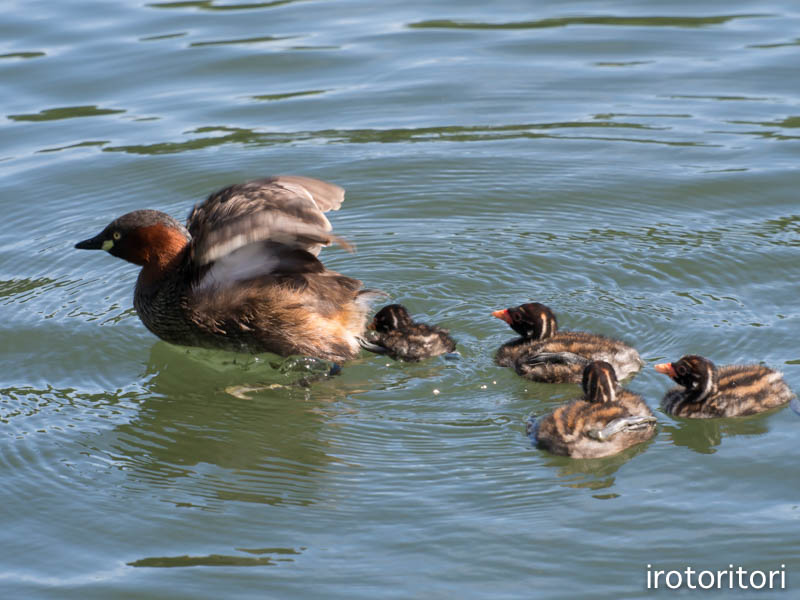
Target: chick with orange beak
point(545, 354)
point(707, 391)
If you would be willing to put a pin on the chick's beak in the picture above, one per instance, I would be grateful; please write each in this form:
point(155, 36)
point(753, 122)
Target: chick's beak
point(502, 314)
point(95, 243)
point(666, 369)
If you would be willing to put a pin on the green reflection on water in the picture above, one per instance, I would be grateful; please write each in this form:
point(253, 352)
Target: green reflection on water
point(253, 40)
point(166, 36)
point(212, 560)
point(446, 133)
point(68, 112)
point(596, 20)
point(86, 144)
point(270, 97)
point(23, 55)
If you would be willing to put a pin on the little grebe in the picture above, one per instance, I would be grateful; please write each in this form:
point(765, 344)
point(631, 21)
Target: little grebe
point(605, 421)
point(243, 275)
point(707, 391)
point(397, 335)
point(548, 355)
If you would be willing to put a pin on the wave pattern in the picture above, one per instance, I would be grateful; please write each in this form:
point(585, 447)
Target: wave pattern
point(634, 169)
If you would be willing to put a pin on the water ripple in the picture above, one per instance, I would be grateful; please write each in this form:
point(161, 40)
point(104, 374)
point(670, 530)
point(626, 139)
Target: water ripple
point(23, 55)
point(224, 135)
point(648, 21)
point(68, 112)
point(210, 5)
point(220, 560)
point(637, 173)
point(254, 40)
point(287, 95)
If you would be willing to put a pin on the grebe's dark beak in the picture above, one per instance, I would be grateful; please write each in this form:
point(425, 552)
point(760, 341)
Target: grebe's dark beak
point(95, 243)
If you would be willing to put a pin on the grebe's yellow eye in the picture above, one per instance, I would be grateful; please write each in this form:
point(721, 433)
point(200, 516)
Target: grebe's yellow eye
point(116, 235)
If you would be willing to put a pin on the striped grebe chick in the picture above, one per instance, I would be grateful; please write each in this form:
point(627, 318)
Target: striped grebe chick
point(397, 335)
point(605, 421)
point(706, 391)
point(545, 354)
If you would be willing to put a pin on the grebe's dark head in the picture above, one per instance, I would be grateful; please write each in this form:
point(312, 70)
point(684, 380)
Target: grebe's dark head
point(696, 373)
point(599, 382)
point(532, 320)
point(141, 237)
point(390, 318)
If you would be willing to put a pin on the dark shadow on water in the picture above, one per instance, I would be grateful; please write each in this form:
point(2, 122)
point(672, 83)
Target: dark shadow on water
point(614, 21)
point(67, 112)
point(592, 473)
point(795, 42)
point(23, 55)
point(165, 36)
point(199, 443)
point(254, 40)
point(86, 144)
point(286, 96)
point(704, 435)
point(222, 560)
point(210, 5)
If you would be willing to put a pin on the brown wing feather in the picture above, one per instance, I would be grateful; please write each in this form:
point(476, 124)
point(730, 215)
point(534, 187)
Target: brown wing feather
point(284, 209)
point(327, 196)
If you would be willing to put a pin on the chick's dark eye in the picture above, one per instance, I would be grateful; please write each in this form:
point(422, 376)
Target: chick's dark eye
point(681, 370)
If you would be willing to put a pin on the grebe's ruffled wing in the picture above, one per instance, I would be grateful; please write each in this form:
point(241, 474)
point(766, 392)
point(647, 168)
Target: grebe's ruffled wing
point(286, 209)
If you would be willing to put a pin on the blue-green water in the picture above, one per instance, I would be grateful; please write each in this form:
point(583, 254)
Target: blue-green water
point(632, 164)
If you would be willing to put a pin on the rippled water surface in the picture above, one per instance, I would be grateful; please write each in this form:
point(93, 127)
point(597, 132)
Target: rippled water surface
point(632, 164)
